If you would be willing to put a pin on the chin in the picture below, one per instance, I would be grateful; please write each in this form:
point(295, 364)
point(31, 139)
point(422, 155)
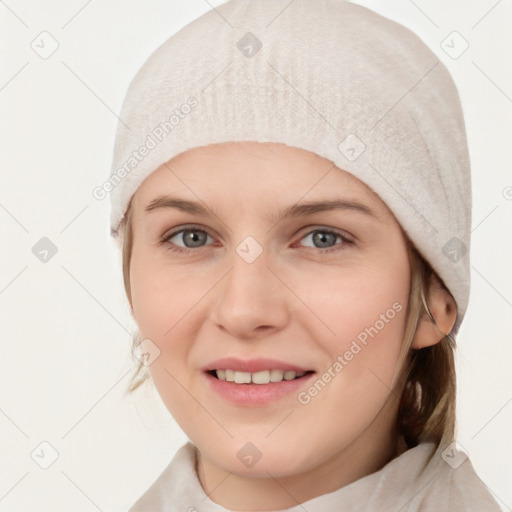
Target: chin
point(256, 459)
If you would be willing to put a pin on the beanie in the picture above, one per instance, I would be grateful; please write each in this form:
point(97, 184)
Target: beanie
point(327, 76)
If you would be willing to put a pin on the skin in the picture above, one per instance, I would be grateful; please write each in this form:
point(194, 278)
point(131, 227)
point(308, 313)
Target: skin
point(295, 302)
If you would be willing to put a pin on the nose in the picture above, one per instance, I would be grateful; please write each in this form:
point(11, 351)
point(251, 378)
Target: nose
point(251, 300)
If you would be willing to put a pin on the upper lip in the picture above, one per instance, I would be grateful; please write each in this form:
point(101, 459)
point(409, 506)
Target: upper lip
point(252, 365)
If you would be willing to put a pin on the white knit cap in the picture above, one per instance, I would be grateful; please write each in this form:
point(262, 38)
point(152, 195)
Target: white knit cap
point(326, 76)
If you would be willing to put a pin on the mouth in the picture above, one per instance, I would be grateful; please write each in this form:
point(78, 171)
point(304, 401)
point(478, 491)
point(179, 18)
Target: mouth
point(259, 388)
point(256, 382)
point(262, 377)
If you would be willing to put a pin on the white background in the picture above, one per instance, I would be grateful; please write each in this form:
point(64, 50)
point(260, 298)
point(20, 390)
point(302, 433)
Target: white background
point(64, 353)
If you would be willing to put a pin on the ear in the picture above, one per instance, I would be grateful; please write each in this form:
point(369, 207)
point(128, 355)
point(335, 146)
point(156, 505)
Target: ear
point(443, 309)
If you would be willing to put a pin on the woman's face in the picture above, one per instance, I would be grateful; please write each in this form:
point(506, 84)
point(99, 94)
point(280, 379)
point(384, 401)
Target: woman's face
point(321, 290)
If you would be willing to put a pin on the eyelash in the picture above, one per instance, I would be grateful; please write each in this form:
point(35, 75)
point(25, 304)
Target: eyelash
point(338, 247)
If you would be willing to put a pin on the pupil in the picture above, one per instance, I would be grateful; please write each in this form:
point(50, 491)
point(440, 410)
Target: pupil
point(321, 236)
point(194, 237)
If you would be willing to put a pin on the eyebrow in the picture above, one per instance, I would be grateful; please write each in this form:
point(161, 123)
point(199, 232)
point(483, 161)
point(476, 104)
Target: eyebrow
point(296, 210)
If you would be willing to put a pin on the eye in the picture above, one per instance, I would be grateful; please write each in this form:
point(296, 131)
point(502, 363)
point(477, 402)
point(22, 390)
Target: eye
point(325, 239)
point(191, 237)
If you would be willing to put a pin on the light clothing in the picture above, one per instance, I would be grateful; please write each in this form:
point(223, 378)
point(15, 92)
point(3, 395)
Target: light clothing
point(400, 486)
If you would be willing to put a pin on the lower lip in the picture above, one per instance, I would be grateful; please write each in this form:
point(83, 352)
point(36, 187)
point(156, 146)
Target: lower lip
point(256, 394)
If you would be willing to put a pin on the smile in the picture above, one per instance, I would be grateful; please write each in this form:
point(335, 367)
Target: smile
point(261, 377)
point(243, 391)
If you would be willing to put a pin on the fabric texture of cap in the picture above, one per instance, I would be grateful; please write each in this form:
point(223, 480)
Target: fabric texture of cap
point(327, 76)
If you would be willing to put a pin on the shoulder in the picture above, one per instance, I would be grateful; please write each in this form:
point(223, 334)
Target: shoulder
point(423, 479)
point(468, 488)
point(450, 482)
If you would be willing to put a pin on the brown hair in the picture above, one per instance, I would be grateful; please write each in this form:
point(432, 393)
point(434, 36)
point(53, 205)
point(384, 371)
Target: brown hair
point(426, 378)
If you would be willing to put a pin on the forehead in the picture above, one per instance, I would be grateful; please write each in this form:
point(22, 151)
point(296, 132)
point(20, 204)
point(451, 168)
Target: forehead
point(241, 171)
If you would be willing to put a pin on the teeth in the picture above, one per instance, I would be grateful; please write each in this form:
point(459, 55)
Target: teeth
point(242, 378)
point(262, 377)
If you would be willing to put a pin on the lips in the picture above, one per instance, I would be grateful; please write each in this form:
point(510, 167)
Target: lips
point(253, 365)
point(256, 394)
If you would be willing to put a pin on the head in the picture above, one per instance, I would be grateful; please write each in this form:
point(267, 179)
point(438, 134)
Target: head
point(365, 297)
point(298, 301)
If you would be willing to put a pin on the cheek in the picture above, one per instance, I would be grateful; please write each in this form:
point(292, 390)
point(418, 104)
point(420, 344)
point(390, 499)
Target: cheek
point(361, 327)
point(348, 301)
point(366, 311)
point(163, 308)
point(163, 294)
point(166, 304)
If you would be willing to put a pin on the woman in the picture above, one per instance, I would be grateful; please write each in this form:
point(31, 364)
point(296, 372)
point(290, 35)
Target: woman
point(291, 193)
